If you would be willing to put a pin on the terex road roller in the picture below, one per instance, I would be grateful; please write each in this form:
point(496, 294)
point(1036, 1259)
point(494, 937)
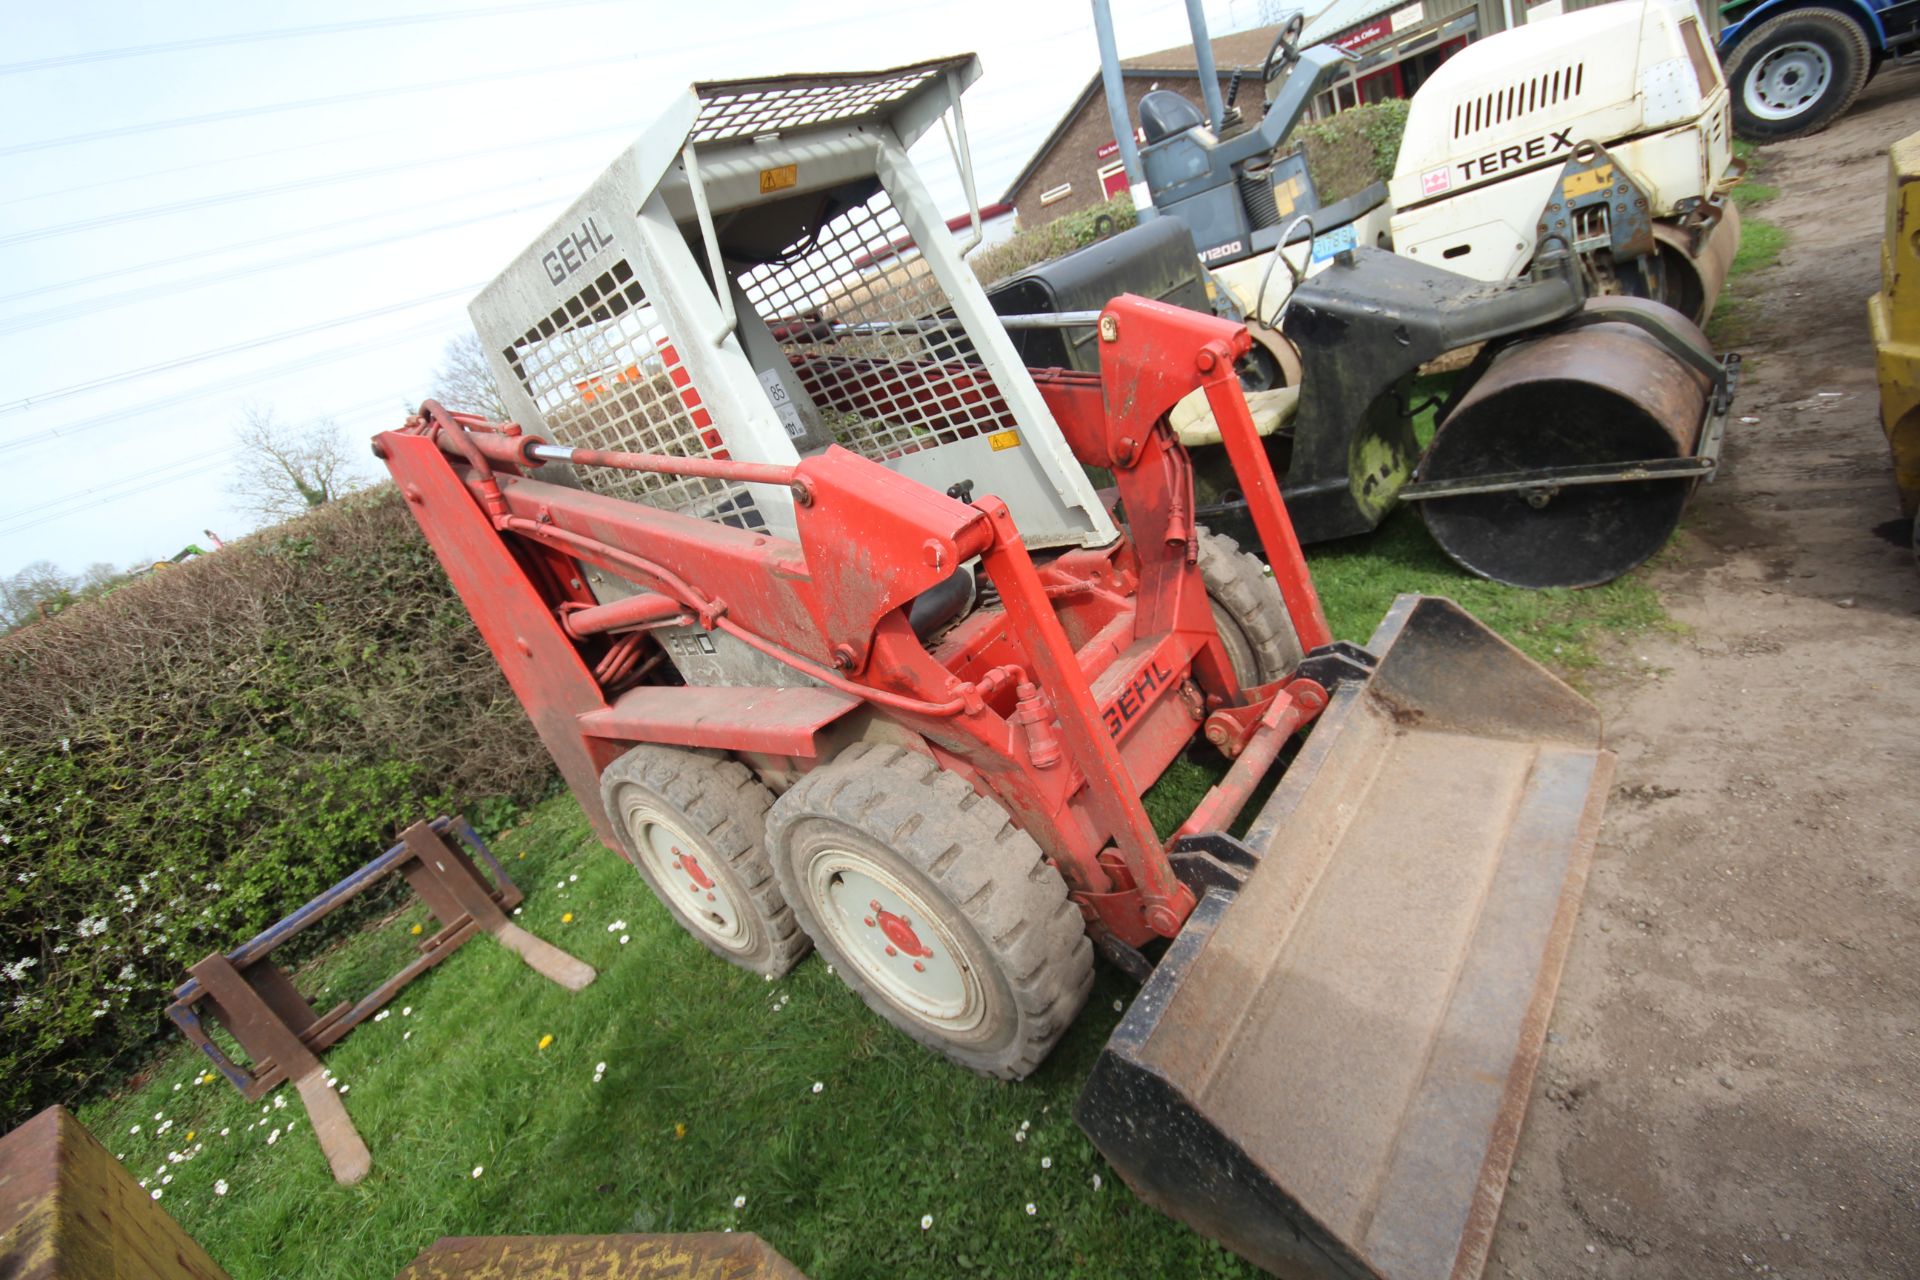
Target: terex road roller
point(851, 634)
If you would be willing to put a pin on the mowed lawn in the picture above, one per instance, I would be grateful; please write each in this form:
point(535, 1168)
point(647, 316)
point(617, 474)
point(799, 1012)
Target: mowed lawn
point(708, 1095)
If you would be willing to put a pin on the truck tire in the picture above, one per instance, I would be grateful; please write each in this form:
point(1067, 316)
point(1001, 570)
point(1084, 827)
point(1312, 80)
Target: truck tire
point(1248, 611)
point(1797, 73)
point(695, 826)
point(939, 912)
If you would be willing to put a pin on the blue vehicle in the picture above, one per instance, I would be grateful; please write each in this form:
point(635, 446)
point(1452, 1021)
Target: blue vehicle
point(1795, 66)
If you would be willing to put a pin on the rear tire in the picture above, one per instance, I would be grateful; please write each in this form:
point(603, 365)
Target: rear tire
point(1797, 74)
point(1003, 960)
point(1248, 612)
point(695, 827)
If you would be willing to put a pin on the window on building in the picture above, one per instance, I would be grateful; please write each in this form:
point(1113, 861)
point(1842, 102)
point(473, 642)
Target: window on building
point(1052, 194)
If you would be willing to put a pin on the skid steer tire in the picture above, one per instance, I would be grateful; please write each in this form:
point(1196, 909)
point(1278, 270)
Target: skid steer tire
point(694, 825)
point(939, 912)
point(1797, 74)
point(1247, 611)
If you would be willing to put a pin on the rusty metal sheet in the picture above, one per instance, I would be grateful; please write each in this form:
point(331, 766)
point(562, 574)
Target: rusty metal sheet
point(1330, 1073)
point(69, 1211)
point(703, 1255)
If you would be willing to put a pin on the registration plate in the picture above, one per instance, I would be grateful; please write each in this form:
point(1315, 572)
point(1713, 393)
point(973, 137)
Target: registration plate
point(1339, 240)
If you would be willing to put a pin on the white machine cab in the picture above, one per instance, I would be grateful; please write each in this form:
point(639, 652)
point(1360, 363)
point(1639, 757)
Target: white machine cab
point(846, 315)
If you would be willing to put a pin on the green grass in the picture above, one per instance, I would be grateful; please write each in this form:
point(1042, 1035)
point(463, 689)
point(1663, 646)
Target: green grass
point(1761, 242)
point(837, 1181)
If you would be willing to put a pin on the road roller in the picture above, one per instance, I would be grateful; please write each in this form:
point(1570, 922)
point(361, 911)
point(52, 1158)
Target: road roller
point(1563, 451)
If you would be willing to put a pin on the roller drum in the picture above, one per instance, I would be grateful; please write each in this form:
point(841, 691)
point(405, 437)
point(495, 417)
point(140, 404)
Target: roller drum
point(1601, 394)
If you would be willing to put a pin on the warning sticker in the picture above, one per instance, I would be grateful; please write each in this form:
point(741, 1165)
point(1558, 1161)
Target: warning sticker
point(778, 179)
point(1004, 440)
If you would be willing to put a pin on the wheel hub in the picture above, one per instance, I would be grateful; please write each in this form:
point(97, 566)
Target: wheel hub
point(1787, 80)
point(899, 931)
point(895, 939)
point(674, 865)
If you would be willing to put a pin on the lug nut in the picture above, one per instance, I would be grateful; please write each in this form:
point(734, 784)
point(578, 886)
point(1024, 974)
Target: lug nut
point(892, 952)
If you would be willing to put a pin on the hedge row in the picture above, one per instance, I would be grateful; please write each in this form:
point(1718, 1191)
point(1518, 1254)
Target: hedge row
point(1354, 149)
point(187, 759)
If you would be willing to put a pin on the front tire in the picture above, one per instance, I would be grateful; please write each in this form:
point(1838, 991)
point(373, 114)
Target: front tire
point(1248, 612)
point(939, 912)
point(1797, 74)
point(695, 827)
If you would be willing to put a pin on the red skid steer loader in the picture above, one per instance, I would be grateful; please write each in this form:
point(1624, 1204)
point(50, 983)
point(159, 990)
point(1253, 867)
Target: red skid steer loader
point(851, 632)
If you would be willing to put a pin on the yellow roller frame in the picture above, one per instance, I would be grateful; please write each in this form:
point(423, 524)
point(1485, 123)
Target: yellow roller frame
point(1894, 313)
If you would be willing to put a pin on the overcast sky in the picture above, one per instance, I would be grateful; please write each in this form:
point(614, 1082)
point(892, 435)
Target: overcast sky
point(330, 201)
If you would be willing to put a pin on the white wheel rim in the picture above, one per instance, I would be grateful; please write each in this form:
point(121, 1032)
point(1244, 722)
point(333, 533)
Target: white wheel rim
point(1787, 80)
point(888, 932)
point(688, 876)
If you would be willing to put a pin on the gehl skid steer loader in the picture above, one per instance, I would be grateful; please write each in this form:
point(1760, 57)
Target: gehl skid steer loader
point(816, 604)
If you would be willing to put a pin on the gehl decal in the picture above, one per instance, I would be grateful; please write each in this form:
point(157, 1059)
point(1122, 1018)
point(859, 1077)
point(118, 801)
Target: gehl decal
point(574, 251)
point(1133, 699)
point(1551, 143)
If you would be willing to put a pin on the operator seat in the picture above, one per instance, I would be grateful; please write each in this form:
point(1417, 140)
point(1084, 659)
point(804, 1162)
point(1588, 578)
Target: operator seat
point(1164, 113)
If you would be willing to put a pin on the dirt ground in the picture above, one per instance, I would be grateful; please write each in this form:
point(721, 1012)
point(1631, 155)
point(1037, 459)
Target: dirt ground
point(1732, 1084)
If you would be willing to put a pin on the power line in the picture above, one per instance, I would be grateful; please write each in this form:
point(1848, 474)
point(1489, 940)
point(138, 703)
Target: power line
point(122, 487)
point(298, 184)
point(22, 517)
point(181, 362)
point(117, 179)
point(31, 439)
point(438, 202)
point(490, 78)
point(364, 95)
point(52, 435)
point(285, 33)
point(173, 288)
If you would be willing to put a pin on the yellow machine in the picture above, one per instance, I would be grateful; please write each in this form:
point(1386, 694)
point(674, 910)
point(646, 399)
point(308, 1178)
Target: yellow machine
point(1895, 315)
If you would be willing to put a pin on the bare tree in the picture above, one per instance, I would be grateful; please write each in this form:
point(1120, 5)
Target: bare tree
point(464, 380)
point(100, 574)
point(286, 469)
point(40, 589)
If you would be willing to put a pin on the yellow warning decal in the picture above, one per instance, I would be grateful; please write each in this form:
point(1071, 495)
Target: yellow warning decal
point(1004, 440)
point(1580, 184)
point(1287, 195)
point(778, 179)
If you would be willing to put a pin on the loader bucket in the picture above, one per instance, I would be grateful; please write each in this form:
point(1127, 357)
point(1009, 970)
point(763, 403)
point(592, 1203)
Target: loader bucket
point(1328, 1069)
